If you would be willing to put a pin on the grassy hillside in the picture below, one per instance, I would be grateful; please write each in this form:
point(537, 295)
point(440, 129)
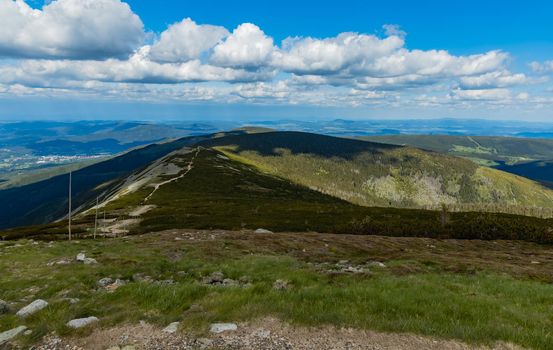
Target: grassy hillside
point(510, 150)
point(216, 192)
point(475, 291)
point(45, 201)
point(373, 174)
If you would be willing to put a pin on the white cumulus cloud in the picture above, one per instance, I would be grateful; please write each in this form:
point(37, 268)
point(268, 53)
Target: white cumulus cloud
point(246, 47)
point(185, 41)
point(73, 29)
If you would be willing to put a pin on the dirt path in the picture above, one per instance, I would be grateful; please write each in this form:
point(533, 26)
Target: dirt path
point(265, 334)
point(188, 169)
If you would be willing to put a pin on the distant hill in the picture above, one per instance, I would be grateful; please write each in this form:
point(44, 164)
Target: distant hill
point(528, 157)
point(377, 174)
point(45, 201)
point(287, 169)
point(492, 148)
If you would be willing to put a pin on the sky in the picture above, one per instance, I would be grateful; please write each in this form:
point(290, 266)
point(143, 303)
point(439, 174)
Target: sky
point(171, 60)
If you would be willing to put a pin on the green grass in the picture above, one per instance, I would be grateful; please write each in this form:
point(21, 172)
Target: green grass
point(481, 307)
point(221, 193)
point(372, 174)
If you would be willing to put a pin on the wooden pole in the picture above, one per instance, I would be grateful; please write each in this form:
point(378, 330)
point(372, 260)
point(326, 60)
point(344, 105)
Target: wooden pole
point(69, 226)
point(96, 218)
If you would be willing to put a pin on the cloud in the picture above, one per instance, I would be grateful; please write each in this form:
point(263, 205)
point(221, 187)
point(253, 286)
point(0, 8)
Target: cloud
point(482, 94)
point(369, 62)
point(98, 47)
point(75, 29)
point(542, 67)
point(394, 30)
point(137, 69)
point(186, 40)
point(496, 79)
point(247, 47)
point(347, 51)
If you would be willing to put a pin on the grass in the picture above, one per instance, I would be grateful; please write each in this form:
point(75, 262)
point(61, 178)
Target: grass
point(416, 293)
point(222, 193)
point(372, 174)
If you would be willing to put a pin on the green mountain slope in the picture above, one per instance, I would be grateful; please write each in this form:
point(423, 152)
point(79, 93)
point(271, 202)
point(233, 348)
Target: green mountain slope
point(201, 188)
point(493, 149)
point(47, 200)
point(373, 174)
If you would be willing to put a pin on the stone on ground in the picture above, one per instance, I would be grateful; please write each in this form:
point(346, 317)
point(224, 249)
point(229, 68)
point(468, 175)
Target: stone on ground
point(106, 281)
point(4, 307)
point(222, 327)
point(33, 307)
point(81, 257)
point(172, 327)
point(12, 333)
point(262, 231)
point(82, 322)
point(281, 285)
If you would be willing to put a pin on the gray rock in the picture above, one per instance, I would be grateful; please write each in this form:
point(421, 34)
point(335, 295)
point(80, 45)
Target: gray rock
point(215, 278)
point(33, 307)
point(281, 285)
point(262, 231)
point(171, 328)
point(204, 343)
point(82, 322)
point(222, 327)
point(230, 282)
point(89, 261)
point(4, 307)
point(12, 333)
point(81, 257)
point(141, 277)
point(106, 281)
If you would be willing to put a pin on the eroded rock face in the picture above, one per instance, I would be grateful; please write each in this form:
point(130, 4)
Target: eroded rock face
point(82, 322)
point(32, 308)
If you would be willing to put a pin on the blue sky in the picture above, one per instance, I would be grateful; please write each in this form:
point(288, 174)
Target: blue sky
point(248, 59)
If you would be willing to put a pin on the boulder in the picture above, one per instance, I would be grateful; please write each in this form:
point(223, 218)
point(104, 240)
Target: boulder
point(172, 327)
point(89, 261)
point(12, 333)
point(82, 322)
point(222, 327)
point(4, 307)
point(33, 307)
point(215, 278)
point(80, 257)
point(262, 231)
point(116, 284)
point(106, 281)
